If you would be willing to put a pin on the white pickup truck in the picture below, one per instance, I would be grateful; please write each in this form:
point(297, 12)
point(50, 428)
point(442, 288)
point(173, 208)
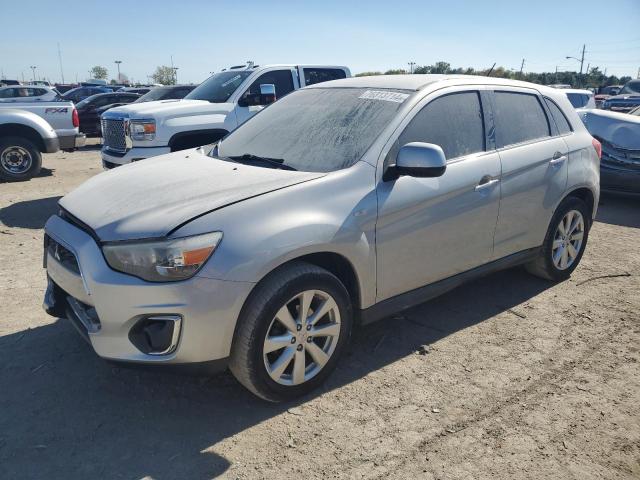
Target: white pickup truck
point(213, 109)
point(61, 115)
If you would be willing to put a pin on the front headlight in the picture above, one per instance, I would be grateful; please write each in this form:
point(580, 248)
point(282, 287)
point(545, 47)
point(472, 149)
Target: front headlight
point(162, 261)
point(142, 129)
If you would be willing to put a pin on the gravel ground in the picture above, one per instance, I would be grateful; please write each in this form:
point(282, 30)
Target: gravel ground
point(518, 378)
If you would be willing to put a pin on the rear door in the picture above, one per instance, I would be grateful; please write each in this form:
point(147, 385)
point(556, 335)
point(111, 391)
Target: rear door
point(534, 168)
point(432, 228)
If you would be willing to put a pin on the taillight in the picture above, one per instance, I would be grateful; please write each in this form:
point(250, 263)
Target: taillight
point(75, 119)
point(598, 146)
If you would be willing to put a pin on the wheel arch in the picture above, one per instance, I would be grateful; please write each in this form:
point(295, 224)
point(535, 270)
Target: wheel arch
point(334, 263)
point(587, 196)
point(19, 130)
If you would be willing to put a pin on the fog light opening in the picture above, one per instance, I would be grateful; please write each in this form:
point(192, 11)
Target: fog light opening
point(157, 334)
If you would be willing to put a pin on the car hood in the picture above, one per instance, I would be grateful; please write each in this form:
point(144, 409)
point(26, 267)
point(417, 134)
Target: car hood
point(162, 108)
point(150, 198)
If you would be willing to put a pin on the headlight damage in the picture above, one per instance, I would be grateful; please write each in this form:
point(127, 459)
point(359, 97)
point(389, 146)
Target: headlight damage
point(143, 129)
point(162, 260)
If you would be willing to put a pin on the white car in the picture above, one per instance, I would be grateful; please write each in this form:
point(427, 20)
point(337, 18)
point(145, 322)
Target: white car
point(28, 93)
point(214, 108)
point(580, 98)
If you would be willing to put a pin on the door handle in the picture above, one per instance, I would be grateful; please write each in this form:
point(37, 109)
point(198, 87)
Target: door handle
point(557, 159)
point(485, 183)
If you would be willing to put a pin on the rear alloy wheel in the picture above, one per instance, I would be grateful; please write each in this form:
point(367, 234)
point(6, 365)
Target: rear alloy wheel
point(291, 332)
point(567, 240)
point(564, 242)
point(20, 159)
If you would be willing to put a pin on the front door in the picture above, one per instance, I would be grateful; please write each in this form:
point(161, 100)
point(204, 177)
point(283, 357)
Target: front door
point(431, 228)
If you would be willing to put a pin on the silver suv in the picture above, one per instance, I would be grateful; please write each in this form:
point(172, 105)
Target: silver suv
point(339, 204)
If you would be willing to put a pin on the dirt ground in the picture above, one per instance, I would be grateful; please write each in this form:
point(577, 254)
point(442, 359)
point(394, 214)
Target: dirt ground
point(522, 379)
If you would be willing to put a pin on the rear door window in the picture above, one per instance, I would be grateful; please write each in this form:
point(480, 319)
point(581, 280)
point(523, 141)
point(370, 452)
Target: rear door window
point(318, 75)
point(518, 118)
point(562, 123)
point(453, 121)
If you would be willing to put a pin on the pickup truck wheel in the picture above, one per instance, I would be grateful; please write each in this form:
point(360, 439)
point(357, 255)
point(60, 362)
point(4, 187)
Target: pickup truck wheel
point(291, 332)
point(564, 242)
point(20, 159)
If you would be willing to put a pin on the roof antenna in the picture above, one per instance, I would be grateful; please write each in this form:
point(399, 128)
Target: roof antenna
point(491, 69)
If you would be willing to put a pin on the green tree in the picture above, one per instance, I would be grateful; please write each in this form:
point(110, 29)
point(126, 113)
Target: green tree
point(164, 75)
point(98, 72)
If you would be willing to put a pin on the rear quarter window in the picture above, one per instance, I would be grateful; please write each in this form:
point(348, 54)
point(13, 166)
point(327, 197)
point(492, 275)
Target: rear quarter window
point(559, 118)
point(519, 118)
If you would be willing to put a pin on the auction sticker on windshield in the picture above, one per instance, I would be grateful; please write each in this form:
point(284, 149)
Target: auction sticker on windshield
point(383, 95)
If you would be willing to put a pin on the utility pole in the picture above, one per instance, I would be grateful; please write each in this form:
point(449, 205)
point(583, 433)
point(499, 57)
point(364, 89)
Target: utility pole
point(411, 65)
point(555, 79)
point(582, 59)
point(33, 70)
point(173, 70)
point(118, 62)
point(60, 61)
point(521, 67)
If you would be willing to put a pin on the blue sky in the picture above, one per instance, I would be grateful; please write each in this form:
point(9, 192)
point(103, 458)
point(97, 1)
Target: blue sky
point(205, 36)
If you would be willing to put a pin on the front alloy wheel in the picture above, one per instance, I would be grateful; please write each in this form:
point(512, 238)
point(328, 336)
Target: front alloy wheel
point(302, 337)
point(291, 332)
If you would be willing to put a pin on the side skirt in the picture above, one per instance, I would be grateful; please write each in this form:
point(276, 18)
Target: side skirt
point(420, 295)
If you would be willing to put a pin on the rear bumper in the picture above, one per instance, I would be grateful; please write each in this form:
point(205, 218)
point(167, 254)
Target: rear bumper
point(108, 304)
point(619, 180)
point(51, 145)
point(110, 159)
point(71, 142)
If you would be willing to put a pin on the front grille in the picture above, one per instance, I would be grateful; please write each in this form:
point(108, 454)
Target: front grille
point(62, 254)
point(113, 134)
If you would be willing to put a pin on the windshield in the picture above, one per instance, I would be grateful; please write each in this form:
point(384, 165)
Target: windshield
point(631, 87)
point(219, 87)
point(153, 94)
point(317, 129)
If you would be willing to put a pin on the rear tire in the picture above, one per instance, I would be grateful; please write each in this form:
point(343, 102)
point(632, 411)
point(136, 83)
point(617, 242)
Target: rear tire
point(279, 354)
point(564, 242)
point(20, 159)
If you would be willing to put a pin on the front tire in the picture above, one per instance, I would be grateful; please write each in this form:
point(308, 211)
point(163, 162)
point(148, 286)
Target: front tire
point(564, 242)
point(20, 159)
point(291, 332)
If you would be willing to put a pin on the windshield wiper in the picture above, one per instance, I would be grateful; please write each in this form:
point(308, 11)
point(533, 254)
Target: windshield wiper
point(248, 157)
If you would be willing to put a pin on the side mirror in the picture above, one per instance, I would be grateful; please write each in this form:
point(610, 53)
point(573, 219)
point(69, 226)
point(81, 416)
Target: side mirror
point(267, 93)
point(417, 159)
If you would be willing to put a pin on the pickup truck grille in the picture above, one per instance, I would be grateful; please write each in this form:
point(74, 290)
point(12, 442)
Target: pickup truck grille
point(113, 133)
